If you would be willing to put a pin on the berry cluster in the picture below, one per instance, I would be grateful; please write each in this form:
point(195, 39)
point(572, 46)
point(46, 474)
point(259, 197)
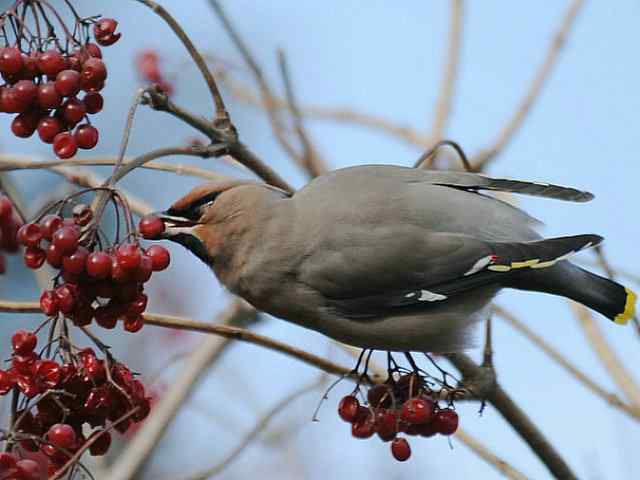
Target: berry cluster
point(93, 283)
point(80, 391)
point(12, 467)
point(10, 222)
point(398, 406)
point(148, 66)
point(45, 76)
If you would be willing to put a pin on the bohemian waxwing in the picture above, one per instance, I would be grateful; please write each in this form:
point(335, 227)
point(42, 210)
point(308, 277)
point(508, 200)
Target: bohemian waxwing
point(386, 257)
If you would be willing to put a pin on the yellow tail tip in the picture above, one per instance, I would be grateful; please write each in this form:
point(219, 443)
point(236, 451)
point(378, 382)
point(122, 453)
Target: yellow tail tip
point(629, 308)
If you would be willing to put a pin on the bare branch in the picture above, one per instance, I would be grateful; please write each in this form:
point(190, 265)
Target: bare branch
point(516, 417)
point(608, 357)
point(561, 360)
point(265, 90)
point(487, 455)
point(450, 72)
point(310, 159)
point(222, 116)
point(504, 137)
point(262, 424)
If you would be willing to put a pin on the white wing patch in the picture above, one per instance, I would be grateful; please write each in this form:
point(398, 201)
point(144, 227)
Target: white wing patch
point(427, 296)
point(479, 265)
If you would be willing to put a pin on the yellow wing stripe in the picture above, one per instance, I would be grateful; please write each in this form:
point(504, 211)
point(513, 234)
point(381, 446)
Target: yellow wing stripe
point(629, 308)
point(525, 264)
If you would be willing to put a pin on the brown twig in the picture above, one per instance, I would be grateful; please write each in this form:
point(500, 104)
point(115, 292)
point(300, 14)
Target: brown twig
point(482, 159)
point(222, 116)
point(561, 360)
point(235, 148)
point(310, 159)
point(260, 426)
point(516, 417)
point(445, 96)
point(606, 354)
point(488, 456)
point(265, 90)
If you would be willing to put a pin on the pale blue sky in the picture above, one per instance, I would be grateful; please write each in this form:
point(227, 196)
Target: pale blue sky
point(377, 58)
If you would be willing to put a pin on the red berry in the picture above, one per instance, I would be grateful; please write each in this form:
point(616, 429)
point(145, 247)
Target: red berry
point(82, 214)
point(129, 256)
point(101, 445)
point(6, 208)
point(379, 396)
point(62, 435)
point(7, 462)
point(48, 96)
point(143, 274)
point(93, 71)
point(133, 323)
point(107, 40)
point(48, 128)
point(34, 257)
point(54, 256)
point(348, 408)
point(417, 411)
point(93, 102)
point(400, 449)
point(151, 226)
point(99, 265)
point(30, 235)
point(7, 381)
point(64, 145)
point(66, 298)
point(24, 342)
point(48, 374)
point(49, 225)
point(75, 263)
point(364, 426)
point(119, 274)
point(68, 83)
point(386, 425)
point(426, 429)
point(10, 60)
point(94, 50)
point(28, 470)
point(86, 136)
point(25, 124)
point(49, 303)
point(51, 62)
point(30, 68)
point(105, 26)
point(66, 239)
point(446, 421)
point(26, 91)
point(159, 256)
point(73, 110)
point(138, 305)
point(107, 316)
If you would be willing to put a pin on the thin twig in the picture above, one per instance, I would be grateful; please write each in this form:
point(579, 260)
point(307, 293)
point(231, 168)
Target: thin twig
point(561, 360)
point(445, 96)
point(487, 455)
point(516, 417)
point(260, 426)
point(222, 116)
point(310, 159)
point(608, 357)
point(265, 90)
point(506, 135)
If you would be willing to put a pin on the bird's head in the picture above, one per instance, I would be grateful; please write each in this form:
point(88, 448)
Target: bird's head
point(209, 219)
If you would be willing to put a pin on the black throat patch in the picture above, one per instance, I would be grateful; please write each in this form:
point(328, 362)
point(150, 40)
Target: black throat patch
point(195, 246)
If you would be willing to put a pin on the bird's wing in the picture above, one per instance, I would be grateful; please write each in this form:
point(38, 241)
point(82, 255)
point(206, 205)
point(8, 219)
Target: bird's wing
point(378, 270)
point(475, 181)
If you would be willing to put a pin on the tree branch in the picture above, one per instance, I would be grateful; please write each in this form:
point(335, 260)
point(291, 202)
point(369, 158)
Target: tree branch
point(485, 156)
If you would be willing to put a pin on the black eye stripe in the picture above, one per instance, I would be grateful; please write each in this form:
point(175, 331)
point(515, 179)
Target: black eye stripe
point(192, 212)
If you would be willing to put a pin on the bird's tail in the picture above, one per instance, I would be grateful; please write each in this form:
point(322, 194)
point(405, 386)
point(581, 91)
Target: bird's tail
point(605, 296)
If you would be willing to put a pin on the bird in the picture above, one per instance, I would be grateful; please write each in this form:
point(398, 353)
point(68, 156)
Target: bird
point(387, 257)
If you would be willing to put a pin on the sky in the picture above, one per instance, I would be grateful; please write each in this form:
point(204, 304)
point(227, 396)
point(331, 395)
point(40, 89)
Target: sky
point(387, 60)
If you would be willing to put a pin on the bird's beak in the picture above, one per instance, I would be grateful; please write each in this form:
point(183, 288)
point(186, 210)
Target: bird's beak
point(174, 225)
point(181, 230)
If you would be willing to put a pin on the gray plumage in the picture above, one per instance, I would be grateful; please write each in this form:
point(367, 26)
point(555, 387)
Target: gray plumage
point(386, 257)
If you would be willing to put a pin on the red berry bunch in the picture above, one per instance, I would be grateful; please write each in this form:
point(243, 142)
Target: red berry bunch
point(98, 284)
point(52, 84)
point(10, 222)
point(402, 406)
point(148, 66)
point(78, 393)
